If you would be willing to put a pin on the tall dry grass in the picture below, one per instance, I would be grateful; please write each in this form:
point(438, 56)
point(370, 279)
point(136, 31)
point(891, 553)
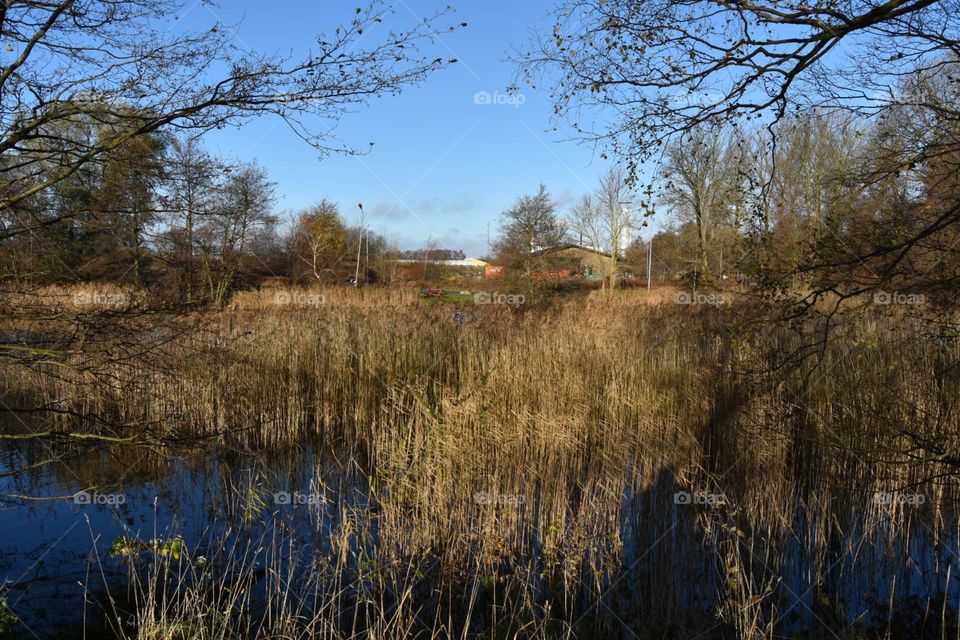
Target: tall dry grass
point(524, 463)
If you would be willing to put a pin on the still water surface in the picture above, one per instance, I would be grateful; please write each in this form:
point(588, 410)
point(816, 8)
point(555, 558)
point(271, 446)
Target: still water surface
point(58, 521)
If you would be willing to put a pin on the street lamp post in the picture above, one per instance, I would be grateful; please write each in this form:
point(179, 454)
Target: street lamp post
point(649, 262)
point(356, 275)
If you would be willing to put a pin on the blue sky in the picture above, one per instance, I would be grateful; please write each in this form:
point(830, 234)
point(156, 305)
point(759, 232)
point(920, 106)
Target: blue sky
point(442, 167)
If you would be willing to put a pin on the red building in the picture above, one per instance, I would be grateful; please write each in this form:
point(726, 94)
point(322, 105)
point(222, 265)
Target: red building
point(493, 271)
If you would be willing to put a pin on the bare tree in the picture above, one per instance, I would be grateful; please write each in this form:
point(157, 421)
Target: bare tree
point(617, 216)
point(245, 203)
point(193, 178)
point(698, 187)
point(585, 223)
point(605, 222)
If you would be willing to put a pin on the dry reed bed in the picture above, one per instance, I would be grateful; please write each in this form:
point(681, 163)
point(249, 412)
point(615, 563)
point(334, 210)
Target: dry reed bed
point(541, 448)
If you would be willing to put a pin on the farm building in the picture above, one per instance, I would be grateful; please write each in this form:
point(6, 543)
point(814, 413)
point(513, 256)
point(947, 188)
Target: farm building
point(573, 259)
point(475, 263)
point(410, 269)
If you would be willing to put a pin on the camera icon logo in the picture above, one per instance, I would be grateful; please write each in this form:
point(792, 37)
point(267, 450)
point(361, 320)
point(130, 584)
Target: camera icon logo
point(882, 297)
point(482, 97)
point(482, 297)
point(682, 497)
point(682, 297)
point(82, 497)
point(282, 497)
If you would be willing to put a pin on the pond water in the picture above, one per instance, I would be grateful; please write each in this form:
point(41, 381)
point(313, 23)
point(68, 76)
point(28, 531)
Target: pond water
point(58, 521)
point(60, 516)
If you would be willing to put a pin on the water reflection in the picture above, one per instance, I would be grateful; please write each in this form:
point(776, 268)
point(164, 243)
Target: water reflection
point(58, 520)
point(662, 556)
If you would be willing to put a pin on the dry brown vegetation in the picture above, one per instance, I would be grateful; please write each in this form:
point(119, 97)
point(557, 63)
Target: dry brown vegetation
point(522, 464)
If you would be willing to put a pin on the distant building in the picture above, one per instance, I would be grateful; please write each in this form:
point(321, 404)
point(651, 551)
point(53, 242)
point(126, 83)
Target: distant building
point(551, 275)
point(416, 269)
point(575, 259)
point(494, 271)
point(466, 262)
point(476, 263)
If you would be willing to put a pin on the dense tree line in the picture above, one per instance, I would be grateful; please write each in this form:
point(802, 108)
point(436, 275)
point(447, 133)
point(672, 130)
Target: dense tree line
point(161, 212)
point(821, 209)
point(813, 144)
point(823, 202)
point(102, 105)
